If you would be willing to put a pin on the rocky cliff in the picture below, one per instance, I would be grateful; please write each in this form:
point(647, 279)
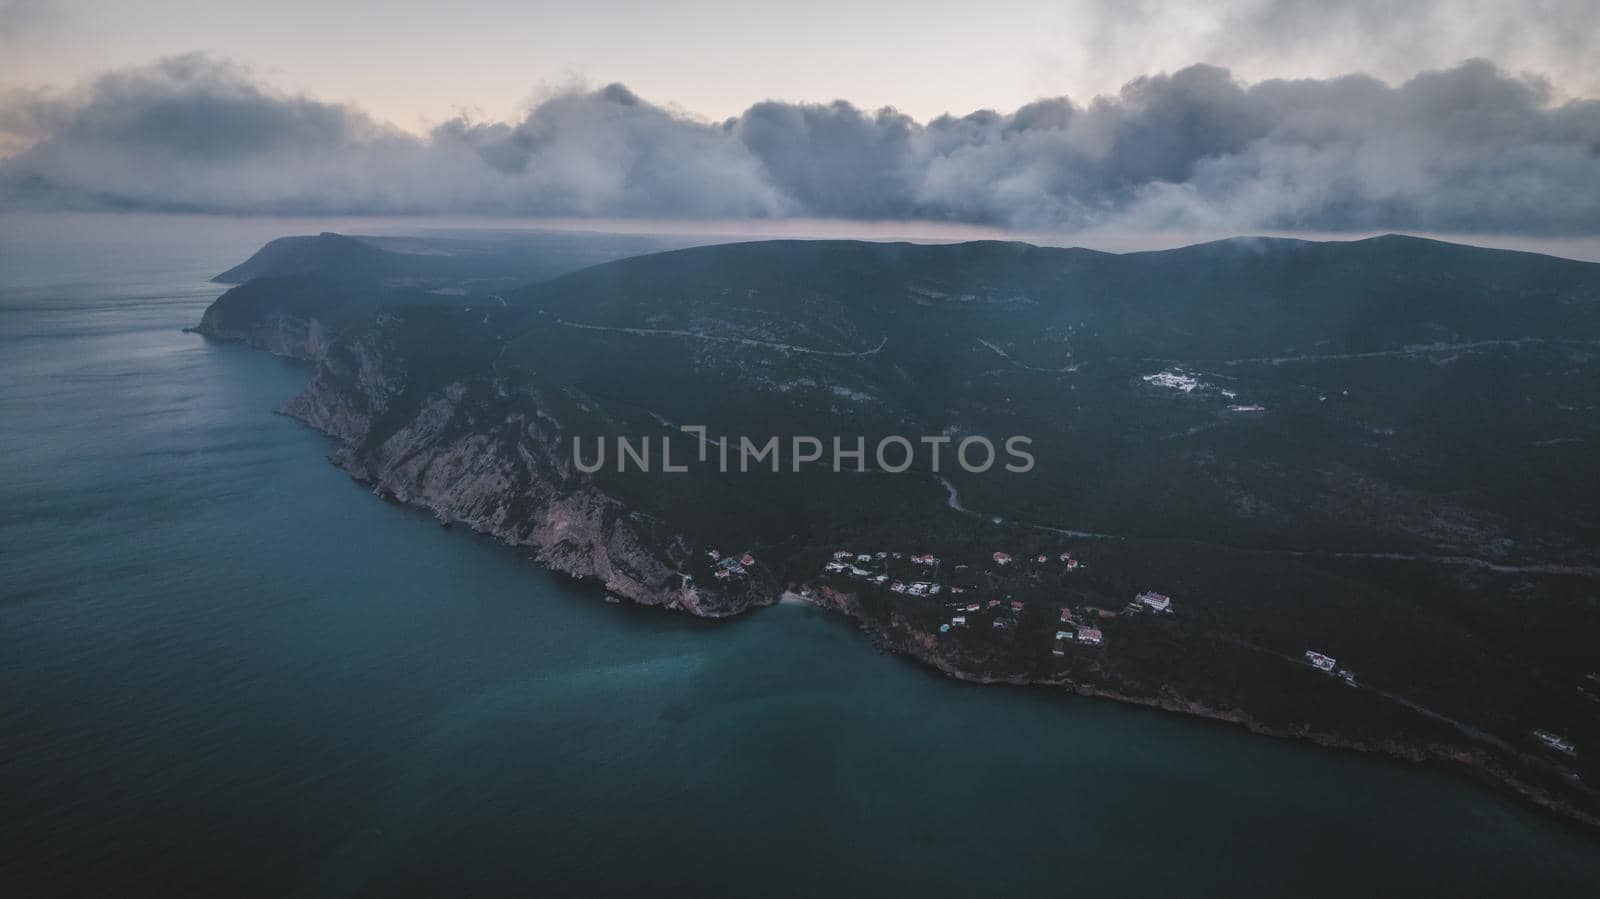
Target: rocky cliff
point(488, 453)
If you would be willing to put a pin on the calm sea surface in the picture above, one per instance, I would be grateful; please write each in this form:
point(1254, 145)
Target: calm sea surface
point(227, 669)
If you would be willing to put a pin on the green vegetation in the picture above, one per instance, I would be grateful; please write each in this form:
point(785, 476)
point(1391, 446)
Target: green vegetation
point(1384, 450)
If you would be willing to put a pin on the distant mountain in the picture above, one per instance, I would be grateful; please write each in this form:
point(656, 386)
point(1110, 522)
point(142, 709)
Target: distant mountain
point(484, 260)
point(325, 255)
point(297, 294)
point(1383, 449)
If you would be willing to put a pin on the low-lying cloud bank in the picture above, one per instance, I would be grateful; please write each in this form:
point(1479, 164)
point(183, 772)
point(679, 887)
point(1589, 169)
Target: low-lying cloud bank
point(1466, 149)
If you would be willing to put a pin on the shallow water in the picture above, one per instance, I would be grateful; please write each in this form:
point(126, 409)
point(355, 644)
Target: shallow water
point(225, 667)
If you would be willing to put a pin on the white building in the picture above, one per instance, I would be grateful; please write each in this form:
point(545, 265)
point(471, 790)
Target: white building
point(1320, 661)
point(1157, 601)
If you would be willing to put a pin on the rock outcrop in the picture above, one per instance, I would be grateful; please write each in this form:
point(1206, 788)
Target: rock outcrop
point(488, 454)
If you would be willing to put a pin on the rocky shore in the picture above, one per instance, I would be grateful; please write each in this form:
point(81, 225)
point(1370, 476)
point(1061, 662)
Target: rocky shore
point(1481, 762)
point(478, 455)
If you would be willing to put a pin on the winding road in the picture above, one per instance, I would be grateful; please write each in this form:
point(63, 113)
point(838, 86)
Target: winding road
point(747, 341)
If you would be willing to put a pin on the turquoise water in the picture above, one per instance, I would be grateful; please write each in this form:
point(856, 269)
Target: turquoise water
point(227, 669)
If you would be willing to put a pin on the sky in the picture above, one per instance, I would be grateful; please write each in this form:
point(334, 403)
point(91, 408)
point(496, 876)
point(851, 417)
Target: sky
point(1442, 115)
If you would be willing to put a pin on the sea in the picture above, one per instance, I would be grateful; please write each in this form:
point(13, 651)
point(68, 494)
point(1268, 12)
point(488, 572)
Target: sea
point(226, 669)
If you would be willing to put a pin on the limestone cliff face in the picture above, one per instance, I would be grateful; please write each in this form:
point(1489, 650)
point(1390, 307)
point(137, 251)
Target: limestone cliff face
point(281, 334)
point(297, 317)
point(487, 454)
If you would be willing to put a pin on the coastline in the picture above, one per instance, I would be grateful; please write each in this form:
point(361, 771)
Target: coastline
point(1479, 764)
point(580, 531)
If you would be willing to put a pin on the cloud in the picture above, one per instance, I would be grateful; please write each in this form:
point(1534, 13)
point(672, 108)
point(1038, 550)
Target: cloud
point(1468, 148)
point(1257, 39)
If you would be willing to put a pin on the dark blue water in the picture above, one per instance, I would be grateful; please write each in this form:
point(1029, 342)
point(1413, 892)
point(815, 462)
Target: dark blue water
point(226, 669)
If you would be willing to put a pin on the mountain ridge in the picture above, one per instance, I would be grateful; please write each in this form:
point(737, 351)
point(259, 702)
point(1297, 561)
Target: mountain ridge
point(1379, 448)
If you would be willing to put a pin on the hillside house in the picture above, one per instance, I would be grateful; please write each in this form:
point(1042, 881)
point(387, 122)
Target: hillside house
point(1159, 602)
point(1555, 741)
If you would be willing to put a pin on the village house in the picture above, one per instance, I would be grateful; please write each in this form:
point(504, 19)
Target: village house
point(898, 586)
point(864, 558)
point(1320, 661)
point(1090, 635)
point(859, 572)
point(994, 603)
point(842, 554)
point(881, 579)
point(713, 554)
point(834, 567)
point(1002, 558)
point(1016, 605)
point(1064, 635)
point(1160, 602)
point(1066, 616)
point(925, 559)
point(1042, 558)
point(1555, 741)
point(1064, 557)
point(747, 560)
point(959, 621)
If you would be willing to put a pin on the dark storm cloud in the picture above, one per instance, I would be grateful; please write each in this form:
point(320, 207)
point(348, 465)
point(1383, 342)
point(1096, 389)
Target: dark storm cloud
point(1470, 148)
